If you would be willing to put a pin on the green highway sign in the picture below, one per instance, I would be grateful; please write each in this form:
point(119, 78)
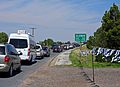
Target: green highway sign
point(80, 37)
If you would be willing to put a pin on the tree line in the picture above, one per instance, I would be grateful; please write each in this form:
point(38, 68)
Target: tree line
point(47, 42)
point(3, 37)
point(108, 34)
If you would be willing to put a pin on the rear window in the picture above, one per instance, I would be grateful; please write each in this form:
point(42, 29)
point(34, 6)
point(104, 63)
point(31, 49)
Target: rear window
point(19, 43)
point(57, 46)
point(45, 48)
point(37, 47)
point(2, 50)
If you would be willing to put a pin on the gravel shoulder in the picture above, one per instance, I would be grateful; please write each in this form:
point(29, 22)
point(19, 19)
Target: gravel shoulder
point(58, 76)
point(105, 77)
point(53, 75)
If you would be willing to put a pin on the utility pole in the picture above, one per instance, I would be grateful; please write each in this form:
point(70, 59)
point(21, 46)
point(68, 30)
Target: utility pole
point(33, 31)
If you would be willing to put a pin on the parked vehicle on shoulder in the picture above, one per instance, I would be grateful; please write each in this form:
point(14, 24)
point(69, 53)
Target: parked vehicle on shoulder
point(46, 51)
point(24, 43)
point(40, 52)
point(9, 59)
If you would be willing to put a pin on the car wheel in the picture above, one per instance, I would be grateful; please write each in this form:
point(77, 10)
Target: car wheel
point(10, 72)
point(31, 60)
point(19, 68)
point(42, 56)
point(48, 55)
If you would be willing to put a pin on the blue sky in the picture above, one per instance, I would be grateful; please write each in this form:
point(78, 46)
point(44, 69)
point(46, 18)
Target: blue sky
point(56, 19)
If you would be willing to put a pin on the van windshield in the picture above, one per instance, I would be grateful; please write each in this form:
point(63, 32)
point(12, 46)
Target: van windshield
point(19, 43)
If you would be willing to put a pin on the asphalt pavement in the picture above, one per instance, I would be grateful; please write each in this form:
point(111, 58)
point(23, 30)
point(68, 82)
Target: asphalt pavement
point(26, 70)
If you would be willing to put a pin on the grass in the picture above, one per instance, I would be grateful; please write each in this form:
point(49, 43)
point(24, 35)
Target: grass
point(74, 58)
point(86, 61)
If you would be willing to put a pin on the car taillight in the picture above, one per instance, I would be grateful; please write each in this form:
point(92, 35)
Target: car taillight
point(6, 59)
point(28, 52)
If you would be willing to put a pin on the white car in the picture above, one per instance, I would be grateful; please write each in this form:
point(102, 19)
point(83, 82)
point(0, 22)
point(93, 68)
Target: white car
point(40, 51)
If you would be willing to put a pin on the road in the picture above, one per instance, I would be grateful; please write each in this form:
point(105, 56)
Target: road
point(25, 71)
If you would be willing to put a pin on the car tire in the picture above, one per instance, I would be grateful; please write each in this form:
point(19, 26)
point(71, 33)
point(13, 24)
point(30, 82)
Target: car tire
point(31, 60)
point(48, 55)
point(42, 56)
point(10, 72)
point(19, 69)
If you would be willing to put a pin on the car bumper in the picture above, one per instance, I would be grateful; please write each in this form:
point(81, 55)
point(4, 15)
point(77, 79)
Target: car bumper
point(4, 68)
point(25, 57)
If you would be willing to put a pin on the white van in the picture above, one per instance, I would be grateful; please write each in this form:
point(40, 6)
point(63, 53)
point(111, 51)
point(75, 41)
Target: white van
point(24, 43)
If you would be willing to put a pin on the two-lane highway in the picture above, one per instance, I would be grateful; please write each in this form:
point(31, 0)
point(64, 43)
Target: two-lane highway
point(25, 71)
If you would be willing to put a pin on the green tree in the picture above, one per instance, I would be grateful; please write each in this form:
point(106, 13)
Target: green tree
point(3, 37)
point(100, 39)
point(59, 42)
point(50, 42)
point(111, 27)
point(47, 42)
point(108, 35)
point(91, 42)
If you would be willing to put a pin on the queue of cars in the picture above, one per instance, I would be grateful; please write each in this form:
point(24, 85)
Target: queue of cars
point(10, 59)
point(22, 47)
point(60, 48)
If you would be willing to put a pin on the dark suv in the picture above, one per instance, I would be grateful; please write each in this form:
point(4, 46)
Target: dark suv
point(57, 48)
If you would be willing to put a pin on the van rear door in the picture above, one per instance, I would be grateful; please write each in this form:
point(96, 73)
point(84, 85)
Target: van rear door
point(20, 45)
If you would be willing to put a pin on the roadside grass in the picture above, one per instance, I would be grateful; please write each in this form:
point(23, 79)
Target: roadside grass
point(74, 57)
point(86, 61)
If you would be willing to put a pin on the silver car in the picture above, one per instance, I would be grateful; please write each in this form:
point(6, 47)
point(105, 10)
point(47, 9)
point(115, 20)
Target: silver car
point(40, 51)
point(9, 59)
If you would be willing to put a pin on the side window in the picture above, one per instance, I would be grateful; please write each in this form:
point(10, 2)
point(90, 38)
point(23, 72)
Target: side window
point(37, 47)
point(8, 49)
point(32, 44)
point(14, 50)
point(11, 50)
point(2, 50)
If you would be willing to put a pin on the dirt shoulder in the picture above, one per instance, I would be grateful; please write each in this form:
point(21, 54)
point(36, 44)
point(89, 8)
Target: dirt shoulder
point(105, 77)
point(51, 75)
point(58, 76)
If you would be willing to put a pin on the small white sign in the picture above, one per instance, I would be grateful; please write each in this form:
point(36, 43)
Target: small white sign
point(21, 31)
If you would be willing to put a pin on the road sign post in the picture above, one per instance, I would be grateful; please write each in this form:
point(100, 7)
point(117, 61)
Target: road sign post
point(93, 67)
point(80, 38)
